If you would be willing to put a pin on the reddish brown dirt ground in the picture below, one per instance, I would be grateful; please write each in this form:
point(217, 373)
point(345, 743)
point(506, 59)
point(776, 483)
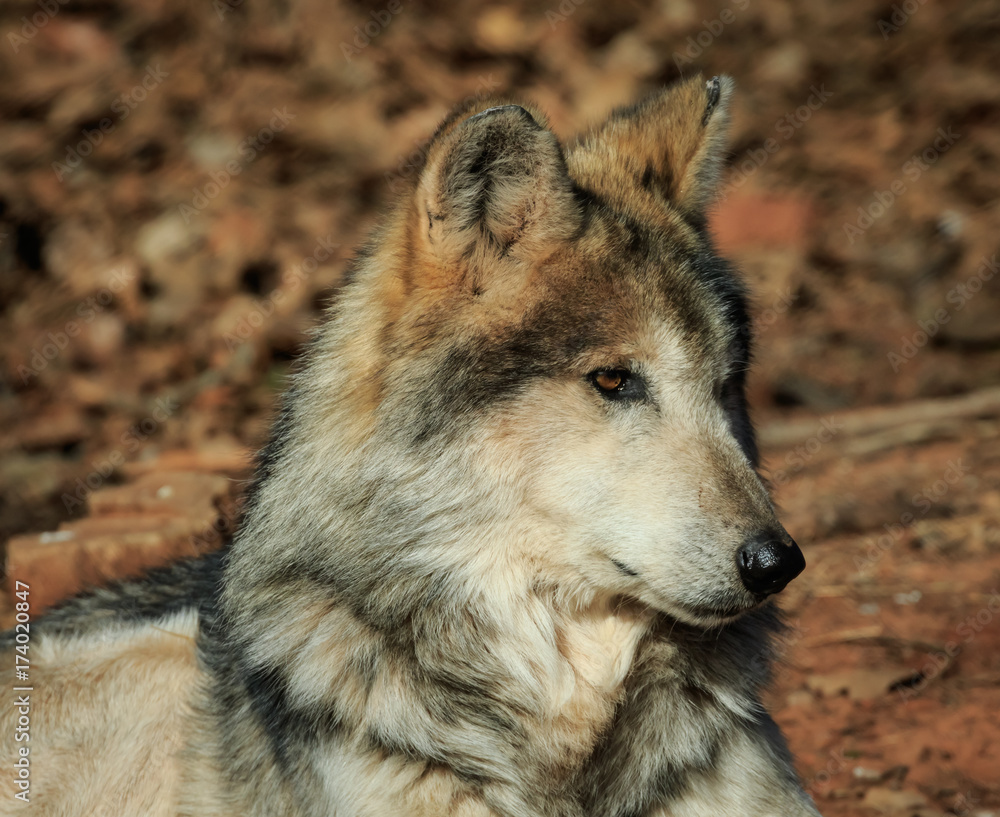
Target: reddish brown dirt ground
point(169, 168)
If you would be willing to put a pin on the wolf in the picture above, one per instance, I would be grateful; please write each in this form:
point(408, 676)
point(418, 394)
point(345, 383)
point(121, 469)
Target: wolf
point(507, 553)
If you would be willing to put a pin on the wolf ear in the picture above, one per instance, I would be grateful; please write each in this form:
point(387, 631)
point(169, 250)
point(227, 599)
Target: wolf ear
point(495, 189)
point(673, 143)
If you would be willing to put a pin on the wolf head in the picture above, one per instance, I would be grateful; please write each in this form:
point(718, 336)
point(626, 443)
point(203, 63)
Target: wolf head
point(535, 379)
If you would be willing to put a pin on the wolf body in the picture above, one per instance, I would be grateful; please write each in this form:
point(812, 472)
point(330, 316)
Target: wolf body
point(507, 553)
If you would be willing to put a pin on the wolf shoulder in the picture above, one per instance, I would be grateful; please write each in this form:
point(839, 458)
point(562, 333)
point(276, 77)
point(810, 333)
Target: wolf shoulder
point(103, 716)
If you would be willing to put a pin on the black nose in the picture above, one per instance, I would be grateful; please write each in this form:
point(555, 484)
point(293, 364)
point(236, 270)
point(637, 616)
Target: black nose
point(768, 562)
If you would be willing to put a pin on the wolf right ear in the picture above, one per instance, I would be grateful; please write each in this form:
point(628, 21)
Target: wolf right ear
point(494, 192)
point(672, 144)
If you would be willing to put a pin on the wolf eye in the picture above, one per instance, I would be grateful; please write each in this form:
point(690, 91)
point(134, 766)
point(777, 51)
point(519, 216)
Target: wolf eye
point(610, 380)
point(617, 384)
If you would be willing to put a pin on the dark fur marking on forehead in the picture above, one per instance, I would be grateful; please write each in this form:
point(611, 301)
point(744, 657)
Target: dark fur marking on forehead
point(637, 237)
point(647, 242)
point(708, 288)
point(488, 370)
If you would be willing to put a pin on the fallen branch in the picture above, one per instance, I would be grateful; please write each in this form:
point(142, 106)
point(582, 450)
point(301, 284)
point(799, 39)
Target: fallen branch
point(928, 416)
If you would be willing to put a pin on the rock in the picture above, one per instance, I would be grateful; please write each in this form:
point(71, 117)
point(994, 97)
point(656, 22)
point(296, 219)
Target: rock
point(58, 564)
point(151, 522)
point(183, 494)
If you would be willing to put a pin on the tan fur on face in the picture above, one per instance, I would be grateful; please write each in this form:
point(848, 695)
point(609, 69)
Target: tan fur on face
point(665, 491)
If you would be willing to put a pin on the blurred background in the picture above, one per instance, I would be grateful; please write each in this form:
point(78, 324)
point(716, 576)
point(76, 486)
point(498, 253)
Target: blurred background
point(181, 184)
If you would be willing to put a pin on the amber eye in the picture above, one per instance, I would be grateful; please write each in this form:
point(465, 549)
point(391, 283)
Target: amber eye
point(610, 379)
point(619, 385)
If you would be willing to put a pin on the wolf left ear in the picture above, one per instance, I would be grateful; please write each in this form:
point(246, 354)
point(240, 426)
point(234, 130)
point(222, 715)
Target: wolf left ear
point(673, 144)
point(495, 189)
